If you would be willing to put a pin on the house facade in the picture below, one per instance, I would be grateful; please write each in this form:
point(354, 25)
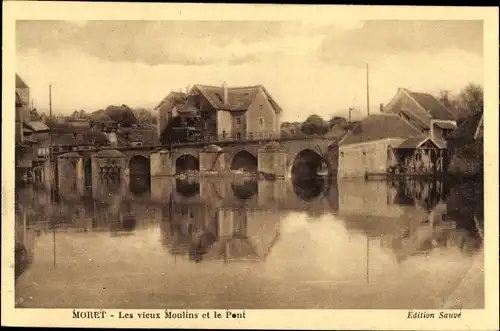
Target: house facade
point(369, 146)
point(215, 113)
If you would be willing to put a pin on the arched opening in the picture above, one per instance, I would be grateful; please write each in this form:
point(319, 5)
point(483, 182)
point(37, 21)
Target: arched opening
point(245, 190)
point(309, 165)
point(139, 175)
point(186, 163)
point(139, 166)
point(187, 188)
point(309, 189)
point(88, 172)
point(245, 162)
point(139, 185)
point(308, 173)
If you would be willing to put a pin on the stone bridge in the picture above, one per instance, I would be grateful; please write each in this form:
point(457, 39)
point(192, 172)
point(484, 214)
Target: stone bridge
point(280, 158)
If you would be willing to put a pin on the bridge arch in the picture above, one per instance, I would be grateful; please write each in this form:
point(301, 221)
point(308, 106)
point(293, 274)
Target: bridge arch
point(245, 190)
point(246, 161)
point(185, 163)
point(309, 164)
point(139, 165)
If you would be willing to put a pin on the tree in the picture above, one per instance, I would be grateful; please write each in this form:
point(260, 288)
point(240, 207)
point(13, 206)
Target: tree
point(470, 100)
point(314, 124)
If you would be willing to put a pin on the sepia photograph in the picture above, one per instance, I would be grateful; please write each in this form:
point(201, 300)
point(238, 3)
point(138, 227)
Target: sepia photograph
point(250, 164)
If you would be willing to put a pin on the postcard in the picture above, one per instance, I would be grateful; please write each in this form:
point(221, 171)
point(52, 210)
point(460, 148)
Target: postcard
point(247, 166)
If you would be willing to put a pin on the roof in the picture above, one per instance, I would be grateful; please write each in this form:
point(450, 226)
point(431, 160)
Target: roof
point(147, 137)
point(100, 117)
point(37, 126)
point(64, 139)
point(91, 138)
point(379, 126)
point(435, 108)
point(239, 98)
point(416, 142)
point(446, 125)
point(467, 130)
point(20, 82)
point(172, 99)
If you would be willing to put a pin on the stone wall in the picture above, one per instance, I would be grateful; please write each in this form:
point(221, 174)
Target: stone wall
point(355, 160)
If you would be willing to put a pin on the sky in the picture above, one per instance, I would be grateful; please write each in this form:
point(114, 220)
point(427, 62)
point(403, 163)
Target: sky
point(308, 67)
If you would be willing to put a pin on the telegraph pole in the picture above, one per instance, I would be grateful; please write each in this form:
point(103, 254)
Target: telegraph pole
point(367, 90)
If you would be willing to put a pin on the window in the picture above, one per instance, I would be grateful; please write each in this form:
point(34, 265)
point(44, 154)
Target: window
point(261, 107)
point(238, 121)
point(238, 136)
point(261, 121)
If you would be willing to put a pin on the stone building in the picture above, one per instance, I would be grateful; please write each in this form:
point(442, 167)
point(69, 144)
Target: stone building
point(368, 147)
point(214, 113)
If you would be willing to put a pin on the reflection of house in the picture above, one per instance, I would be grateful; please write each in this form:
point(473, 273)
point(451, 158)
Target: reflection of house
point(465, 146)
point(230, 234)
point(218, 113)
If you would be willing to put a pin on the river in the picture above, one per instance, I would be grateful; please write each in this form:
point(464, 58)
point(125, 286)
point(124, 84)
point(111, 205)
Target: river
point(213, 243)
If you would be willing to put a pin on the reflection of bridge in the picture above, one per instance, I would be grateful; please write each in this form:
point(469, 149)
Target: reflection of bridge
point(303, 157)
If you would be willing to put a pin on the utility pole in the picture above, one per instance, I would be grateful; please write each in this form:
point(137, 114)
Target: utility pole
point(367, 90)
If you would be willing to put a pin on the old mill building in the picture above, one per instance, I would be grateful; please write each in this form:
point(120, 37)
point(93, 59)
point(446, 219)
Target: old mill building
point(408, 135)
point(217, 113)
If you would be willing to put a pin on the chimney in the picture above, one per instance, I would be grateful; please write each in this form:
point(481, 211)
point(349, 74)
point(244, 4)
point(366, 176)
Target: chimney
point(225, 93)
point(381, 107)
point(432, 128)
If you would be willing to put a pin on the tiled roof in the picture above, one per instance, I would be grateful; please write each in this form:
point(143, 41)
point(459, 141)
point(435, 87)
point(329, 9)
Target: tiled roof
point(467, 129)
point(64, 139)
point(37, 126)
point(148, 137)
point(92, 138)
point(379, 126)
point(20, 82)
point(415, 142)
point(100, 117)
point(432, 105)
point(239, 98)
point(173, 98)
point(445, 125)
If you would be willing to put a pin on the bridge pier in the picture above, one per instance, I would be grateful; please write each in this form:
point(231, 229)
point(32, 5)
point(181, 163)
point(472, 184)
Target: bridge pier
point(272, 159)
point(108, 164)
point(70, 173)
point(161, 163)
point(212, 161)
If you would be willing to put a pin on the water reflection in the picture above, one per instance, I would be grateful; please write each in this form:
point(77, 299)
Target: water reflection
point(292, 234)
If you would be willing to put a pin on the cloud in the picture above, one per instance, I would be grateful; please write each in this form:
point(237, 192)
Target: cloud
point(151, 42)
point(378, 39)
point(138, 63)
